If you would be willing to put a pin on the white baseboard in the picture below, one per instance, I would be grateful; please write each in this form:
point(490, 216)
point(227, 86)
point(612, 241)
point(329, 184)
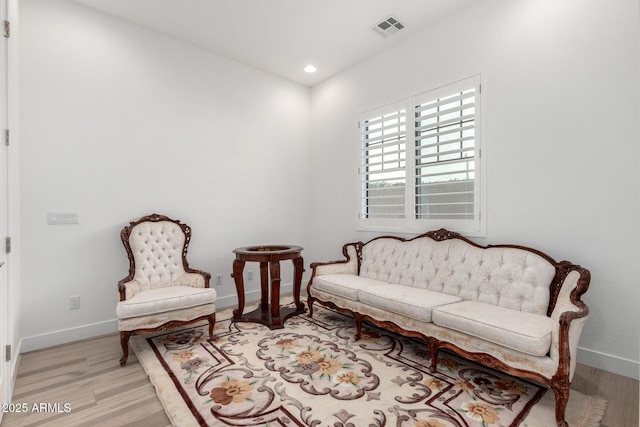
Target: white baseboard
point(610, 363)
point(249, 296)
point(64, 336)
point(36, 342)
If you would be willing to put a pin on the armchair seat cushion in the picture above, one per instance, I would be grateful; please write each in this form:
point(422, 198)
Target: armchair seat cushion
point(415, 303)
point(345, 285)
point(159, 300)
point(526, 332)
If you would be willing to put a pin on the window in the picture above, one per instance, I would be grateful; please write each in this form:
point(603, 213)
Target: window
point(420, 162)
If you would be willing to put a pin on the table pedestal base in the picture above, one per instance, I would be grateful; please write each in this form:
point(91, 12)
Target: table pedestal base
point(269, 312)
point(262, 315)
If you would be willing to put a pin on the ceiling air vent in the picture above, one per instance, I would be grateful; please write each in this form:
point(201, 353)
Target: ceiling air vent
point(389, 26)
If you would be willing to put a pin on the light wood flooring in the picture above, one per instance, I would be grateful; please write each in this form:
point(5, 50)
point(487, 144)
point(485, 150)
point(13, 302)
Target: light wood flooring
point(86, 374)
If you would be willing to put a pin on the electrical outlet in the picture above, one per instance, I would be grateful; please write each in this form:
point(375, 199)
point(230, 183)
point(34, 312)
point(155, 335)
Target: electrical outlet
point(250, 275)
point(74, 302)
point(218, 279)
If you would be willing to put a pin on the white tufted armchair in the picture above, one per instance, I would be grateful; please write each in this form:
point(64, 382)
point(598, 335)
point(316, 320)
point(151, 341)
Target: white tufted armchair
point(161, 291)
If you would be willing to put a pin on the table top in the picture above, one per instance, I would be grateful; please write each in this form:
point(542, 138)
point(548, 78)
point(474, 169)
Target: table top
point(272, 249)
point(267, 252)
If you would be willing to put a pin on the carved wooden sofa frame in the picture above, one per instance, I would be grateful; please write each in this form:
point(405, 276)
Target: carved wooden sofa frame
point(559, 382)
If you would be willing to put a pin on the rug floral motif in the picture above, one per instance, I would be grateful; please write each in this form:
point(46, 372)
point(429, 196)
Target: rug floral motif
point(313, 373)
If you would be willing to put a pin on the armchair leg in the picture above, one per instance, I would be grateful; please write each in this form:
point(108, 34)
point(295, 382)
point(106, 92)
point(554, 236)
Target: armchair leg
point(560, 388)
point(212, 324)
point(124, 342)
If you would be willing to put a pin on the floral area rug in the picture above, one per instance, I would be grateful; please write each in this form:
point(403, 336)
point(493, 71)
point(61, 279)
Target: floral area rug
point(312, 373)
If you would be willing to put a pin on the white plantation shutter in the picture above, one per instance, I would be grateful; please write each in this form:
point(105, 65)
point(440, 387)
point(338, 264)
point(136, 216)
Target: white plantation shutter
point(432, 182)
point(445, 153)
point(383, 168)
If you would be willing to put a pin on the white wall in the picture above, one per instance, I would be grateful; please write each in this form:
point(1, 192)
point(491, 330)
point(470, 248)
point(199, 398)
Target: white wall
point(560, 90)
point(119, 122)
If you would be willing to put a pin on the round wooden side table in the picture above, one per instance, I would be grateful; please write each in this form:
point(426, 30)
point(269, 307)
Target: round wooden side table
point(269, 313)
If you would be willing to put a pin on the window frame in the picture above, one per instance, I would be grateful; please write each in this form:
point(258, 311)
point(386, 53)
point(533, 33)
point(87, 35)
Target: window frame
point(475, 227)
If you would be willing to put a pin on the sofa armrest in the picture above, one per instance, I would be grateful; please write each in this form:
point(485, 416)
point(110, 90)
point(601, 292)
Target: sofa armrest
point(350, 265)
point(571, 313)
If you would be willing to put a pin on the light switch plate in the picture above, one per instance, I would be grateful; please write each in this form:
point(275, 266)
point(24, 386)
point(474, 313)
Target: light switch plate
point(62, 217)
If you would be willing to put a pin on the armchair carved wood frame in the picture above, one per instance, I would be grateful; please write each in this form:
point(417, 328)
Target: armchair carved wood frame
point(161, 291)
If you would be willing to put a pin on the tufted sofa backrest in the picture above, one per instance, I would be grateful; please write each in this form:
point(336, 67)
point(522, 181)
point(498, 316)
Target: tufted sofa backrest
point(157, 249)
point(509, 277)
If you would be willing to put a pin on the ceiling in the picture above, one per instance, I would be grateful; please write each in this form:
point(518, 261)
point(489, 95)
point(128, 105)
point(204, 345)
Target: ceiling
point(283, 36)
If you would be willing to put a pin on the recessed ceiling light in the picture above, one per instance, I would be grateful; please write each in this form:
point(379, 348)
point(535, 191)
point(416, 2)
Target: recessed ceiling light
point(310, 69)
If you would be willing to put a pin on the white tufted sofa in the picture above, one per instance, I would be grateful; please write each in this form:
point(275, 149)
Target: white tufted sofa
point(508, 307)
point(161, 291)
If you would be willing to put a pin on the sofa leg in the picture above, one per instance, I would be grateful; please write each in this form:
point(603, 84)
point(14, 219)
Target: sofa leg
point(212, 324)
point(561, 390)
point(124, 342)
point(434, 346)
point(310, 304)
point(358, 320)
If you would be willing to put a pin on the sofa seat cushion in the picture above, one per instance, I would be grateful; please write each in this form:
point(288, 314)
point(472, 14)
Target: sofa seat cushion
point(518, 330)
point(407, 301)
point(344, 285)
point(159, 300)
